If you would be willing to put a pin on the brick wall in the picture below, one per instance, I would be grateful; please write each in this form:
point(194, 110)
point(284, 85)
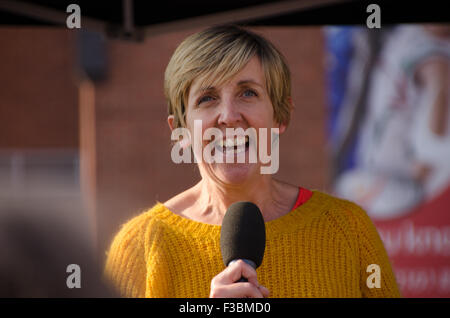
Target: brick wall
point(38, 94)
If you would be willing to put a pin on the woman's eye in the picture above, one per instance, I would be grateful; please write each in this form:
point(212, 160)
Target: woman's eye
point(203, 99)
point(249, 93)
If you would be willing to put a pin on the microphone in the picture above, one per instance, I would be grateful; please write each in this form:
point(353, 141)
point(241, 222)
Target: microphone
point(243, 235)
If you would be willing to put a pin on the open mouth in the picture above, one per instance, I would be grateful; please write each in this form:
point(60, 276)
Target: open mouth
point(233, 145)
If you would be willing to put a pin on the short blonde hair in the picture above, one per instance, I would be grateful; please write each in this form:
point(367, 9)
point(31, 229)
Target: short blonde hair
point(217, 54)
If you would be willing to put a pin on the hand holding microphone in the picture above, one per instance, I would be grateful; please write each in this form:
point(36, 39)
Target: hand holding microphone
point(242, 243)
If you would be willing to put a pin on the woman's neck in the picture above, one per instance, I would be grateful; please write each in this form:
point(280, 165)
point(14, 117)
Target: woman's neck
point(272, 197)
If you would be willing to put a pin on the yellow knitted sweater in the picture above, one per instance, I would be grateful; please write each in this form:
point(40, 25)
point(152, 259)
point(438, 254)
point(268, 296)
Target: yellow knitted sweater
point(320, 249)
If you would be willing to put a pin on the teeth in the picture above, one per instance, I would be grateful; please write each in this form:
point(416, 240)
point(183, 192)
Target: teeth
point(232, 142)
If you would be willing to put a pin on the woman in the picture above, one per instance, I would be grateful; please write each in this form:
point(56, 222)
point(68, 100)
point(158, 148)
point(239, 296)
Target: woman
point(316, 245)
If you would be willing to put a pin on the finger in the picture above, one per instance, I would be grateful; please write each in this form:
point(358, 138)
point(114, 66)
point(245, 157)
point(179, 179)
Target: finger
point(237, 290)
point(235, 271)
point(246, 271)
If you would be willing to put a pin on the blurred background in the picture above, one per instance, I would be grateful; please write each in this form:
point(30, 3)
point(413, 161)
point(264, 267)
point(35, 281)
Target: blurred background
point(84, 138)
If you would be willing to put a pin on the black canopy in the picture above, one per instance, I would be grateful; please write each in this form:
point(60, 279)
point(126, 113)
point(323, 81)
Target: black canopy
point(138, 18)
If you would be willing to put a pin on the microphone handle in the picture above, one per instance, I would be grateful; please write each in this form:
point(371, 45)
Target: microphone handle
point(249, 262)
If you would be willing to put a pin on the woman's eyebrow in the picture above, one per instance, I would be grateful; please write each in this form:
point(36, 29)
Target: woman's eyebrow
point(201, 90)
point(249, 81)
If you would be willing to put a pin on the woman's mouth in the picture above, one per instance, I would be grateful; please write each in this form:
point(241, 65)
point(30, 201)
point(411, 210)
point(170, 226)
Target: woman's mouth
point(233, 145)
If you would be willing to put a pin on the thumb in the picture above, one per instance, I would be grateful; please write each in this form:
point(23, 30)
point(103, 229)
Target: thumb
point(264, 291)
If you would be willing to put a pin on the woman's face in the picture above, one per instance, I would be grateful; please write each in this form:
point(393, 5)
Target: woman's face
point(242, 102)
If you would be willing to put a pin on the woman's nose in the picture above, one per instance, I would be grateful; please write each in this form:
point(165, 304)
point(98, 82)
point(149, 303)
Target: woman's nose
point(229, 114)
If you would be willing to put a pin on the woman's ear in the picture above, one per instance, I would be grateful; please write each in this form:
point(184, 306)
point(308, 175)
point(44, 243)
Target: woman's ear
point(170, 120)
point(185, 141)
point(283, 126)
point(280, 126)
point(291, 104)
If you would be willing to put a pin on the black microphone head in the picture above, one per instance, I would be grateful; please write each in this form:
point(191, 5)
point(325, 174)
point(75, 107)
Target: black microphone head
point(243, 233)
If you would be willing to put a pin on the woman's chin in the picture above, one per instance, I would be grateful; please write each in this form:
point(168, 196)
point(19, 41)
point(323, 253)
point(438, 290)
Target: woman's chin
point(235, 173)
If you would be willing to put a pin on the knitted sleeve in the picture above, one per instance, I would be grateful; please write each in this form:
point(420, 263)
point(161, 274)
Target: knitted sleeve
point(125, 262)
point(373, 259)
